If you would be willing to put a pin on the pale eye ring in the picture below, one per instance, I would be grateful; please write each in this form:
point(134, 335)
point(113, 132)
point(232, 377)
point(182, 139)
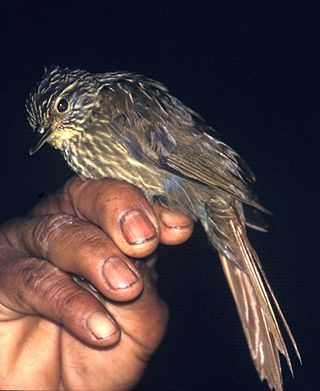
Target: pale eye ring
point(62, 105)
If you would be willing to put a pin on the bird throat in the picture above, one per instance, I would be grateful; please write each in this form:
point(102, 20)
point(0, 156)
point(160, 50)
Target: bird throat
point(62, 137)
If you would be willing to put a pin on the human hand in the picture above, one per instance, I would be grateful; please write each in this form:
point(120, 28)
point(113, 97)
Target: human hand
point(54, 334)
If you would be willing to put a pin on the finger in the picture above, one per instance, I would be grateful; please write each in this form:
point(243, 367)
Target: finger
point(175, 228)
point(78, 247)
point(33, 286)
point(119, 208)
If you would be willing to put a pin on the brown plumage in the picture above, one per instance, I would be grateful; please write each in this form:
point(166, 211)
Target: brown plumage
point(129, 127)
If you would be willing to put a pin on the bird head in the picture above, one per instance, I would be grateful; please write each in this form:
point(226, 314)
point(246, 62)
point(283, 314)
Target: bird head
point(60, 106)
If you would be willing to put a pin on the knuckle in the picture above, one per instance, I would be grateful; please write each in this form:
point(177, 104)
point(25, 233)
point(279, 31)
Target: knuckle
point(51, 228)
point(36, 274)
point(35, 277)
point(42, 280)
point(63, 294)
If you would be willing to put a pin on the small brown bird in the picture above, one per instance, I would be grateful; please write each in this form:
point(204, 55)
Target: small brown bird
point(129, 127)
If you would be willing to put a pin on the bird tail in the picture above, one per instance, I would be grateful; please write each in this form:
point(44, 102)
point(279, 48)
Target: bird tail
point(252, 292)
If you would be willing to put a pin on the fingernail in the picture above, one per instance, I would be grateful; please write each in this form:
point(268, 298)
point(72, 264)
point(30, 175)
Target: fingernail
point(137, 228)
point(101, 326)
point(118, 273)
point(174, 220)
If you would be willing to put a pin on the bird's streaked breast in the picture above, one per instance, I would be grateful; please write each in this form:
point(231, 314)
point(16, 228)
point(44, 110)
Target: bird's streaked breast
point(99, 155)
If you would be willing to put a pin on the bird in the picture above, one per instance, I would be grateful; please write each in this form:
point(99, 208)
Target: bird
point(129, 127)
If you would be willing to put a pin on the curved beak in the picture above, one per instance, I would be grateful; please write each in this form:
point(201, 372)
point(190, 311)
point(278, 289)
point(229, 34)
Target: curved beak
point(44, 138)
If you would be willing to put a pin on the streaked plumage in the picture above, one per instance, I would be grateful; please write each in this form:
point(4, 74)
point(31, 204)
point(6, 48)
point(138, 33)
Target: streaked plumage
point(129, 127)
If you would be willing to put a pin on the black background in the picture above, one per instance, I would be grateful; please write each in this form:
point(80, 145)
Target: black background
point(250, 68)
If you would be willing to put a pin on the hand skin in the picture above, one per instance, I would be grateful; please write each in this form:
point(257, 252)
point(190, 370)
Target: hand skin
point(54, 334)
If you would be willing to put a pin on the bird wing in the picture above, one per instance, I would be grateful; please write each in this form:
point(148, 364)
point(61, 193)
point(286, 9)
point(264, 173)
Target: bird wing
point(156, 127)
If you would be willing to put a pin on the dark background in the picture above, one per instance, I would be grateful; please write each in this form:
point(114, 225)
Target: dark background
point(250, 68)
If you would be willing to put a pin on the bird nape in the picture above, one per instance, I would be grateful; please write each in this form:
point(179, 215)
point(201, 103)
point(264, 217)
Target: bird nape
point(126, 126)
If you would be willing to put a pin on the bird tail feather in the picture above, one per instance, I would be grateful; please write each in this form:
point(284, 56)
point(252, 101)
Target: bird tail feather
point(253, 296)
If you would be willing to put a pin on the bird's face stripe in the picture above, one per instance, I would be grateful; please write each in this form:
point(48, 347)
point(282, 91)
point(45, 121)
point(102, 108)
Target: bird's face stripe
point(68, 88)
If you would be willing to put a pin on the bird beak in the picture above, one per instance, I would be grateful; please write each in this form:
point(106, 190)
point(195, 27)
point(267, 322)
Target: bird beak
point(46, 133)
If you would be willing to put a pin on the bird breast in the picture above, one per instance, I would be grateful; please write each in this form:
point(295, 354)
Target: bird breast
point(92, 159)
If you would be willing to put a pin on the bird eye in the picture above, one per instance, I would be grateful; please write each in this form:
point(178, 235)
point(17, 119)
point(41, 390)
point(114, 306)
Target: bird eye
point(62, 105)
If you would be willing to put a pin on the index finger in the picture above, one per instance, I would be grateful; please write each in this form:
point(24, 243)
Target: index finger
point(122, 211)
point(118, 208)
